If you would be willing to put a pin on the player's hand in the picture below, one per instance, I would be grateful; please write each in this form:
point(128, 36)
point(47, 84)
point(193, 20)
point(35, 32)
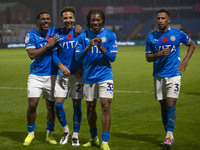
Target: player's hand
point(53, 41)
point(91, 43)
point(77, 30)
point(164, 52)
point(98, 41)
point(182, 66)
point(65, 70)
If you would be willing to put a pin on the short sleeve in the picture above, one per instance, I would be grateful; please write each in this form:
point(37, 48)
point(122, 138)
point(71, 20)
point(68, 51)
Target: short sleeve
point(148, 45)
point(30, 41)
point(184, 38)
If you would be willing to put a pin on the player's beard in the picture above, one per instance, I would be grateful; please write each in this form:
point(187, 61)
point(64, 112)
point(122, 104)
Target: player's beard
point(162, 28)
point(96, 28)
point(45, 26)
point(69, 26)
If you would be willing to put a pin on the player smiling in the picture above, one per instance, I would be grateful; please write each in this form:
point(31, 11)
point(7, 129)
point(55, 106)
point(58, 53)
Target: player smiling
point(69, 76)
point(97, 48)
point(42, 75)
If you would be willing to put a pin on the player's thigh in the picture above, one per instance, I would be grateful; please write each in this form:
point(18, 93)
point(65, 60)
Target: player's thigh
point(159, 88)
point(90, 92)
point(106, 89)
point(34, 86)
point(61, 86)
point(48, 89)
point(173, 87)
point(76, 87)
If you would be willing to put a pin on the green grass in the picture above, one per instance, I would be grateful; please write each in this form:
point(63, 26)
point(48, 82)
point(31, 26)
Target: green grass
point(136, 119)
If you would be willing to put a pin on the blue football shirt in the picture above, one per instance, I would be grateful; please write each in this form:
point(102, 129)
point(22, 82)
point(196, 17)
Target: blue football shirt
point(42, 65)
point(64, 50)
point(97, 66)
point(157, 41)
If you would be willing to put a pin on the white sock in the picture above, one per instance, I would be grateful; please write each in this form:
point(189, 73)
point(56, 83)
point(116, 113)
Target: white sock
point(170, 135)
point(75, 135)
point(104, 142)
point(66, 129)
point(31, 133)
point(49, 133)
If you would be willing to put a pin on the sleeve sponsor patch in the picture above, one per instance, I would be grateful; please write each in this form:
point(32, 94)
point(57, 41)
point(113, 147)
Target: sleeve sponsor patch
point(27, 39)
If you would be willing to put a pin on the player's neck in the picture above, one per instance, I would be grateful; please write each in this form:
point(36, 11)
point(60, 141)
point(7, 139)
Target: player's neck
point(163, 30)
point(41, 31)
point(96, 32)
point(66, 29)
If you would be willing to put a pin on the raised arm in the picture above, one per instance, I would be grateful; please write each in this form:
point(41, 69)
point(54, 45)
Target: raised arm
point(150, 57)
point(110, 56)
point(33, 53)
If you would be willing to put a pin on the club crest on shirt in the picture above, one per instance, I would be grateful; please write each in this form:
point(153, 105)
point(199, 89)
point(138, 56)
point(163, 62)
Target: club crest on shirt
point(172, 38)
point(27, 39)
point(104, 39)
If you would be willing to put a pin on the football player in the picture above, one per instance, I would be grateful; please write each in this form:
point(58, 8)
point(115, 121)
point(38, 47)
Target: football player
point(69, 76)
point(97, 48)
point(163, 48)
point(42, 75)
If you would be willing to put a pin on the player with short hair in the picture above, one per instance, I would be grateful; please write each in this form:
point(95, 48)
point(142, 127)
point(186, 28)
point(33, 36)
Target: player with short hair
point(97, 48)
point(69, 76)
point(42, 75)
point(163, 48)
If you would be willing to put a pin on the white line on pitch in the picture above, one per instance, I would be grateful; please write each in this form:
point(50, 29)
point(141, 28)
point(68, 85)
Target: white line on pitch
point(21, 88)
point(134, 92)
point(12, 88)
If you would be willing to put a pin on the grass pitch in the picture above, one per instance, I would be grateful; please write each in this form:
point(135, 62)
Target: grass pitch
point(136, 119)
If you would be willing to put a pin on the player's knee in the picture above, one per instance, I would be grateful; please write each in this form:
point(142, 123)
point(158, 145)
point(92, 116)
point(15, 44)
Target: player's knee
point(90, 109)
point(105, 108)
point(32, 107)
point(91, 106)
point(77, 101)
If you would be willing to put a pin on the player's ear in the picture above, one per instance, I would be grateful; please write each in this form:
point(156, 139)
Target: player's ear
point(169, 20)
